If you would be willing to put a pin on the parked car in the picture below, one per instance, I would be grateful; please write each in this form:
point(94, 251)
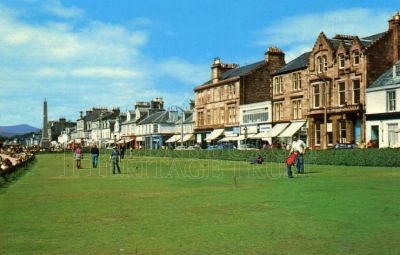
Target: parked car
point(224, 146)
point(345, 146)
point(248, 147)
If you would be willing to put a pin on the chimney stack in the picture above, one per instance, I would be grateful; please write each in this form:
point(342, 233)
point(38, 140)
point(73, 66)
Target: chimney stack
point(218, 69)
point(274, 54)
point(394, 29)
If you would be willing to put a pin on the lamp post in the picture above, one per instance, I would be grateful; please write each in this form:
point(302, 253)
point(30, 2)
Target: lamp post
point(325, 94)
point(183, 114)
point(101, 136)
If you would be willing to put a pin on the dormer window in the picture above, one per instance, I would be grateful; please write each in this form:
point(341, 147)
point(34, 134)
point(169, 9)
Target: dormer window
point(356, 58)
point(341, 61)
point(325, 63)
point(396, 73)
point(319, 63)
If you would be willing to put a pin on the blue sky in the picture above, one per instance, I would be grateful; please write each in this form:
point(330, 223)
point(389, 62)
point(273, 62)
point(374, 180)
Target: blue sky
point(79, 54)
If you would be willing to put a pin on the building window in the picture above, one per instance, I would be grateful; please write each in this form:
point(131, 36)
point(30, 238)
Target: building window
point(392, 135)
point(208, 117)
point(356, 58)
point(255, 116)
point(391, 101)
point(299, 81)
point(278, 111)
point(232, 113)
point(278, 88)
point(316, 96)
point(296, 81)
point(356, 91)
point(342, 131)
point(341, 61)
point(325, 63)
point(296, 104)
point(397, 70)
point(320, 64)
point(342, 93)
point(317, 133)
point(222, 114)
point(200, 118)
point(215, 116)
point(155, 128)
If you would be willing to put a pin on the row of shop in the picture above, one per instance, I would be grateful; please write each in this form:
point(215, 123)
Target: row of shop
point(255, 136)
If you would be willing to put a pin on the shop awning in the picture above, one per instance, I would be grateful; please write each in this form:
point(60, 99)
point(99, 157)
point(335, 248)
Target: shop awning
point(277, 129)
point(125, 141)
point(214, 134)
point(188, 137)
point(139, 138)
point(292, 129)
point(259, 135)
point(174, 138)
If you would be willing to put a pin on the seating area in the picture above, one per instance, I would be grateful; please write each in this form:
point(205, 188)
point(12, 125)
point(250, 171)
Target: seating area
point(14, 157)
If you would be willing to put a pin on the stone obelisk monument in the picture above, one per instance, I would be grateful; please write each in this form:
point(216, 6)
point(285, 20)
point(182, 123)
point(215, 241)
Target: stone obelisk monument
point(45, 141)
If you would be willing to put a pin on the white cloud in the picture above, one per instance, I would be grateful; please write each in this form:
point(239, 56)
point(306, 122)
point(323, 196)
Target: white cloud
point(78, 67)
point(296, 32)
point(56, 8)
point(104, 72)
point(183, 70)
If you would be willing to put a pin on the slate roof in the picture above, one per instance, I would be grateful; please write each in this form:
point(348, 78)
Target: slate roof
point(365, 41)
point(296, 64)
point(386, 79)
point(373, 37)
point(239, 71)
point(158, 117)
point(188, 120)
point(91, 116)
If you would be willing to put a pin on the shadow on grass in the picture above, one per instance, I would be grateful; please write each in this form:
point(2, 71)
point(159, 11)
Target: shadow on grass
point(6, 181)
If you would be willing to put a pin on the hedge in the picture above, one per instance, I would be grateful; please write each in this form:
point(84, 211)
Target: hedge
point(346, 157)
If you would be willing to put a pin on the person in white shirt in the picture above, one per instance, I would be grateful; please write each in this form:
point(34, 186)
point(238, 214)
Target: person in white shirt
point(299, 147)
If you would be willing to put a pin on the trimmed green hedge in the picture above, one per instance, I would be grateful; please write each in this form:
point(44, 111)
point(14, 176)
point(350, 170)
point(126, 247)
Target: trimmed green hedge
point(347, 157)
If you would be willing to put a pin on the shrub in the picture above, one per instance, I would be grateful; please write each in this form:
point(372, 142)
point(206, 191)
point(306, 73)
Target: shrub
point(346, 157)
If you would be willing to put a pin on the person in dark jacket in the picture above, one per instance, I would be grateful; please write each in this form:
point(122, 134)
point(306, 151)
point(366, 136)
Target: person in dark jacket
point(122, 151)
point(115, 159)
point(94, 151)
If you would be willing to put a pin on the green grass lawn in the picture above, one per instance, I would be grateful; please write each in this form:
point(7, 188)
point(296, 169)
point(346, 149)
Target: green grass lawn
point(183, 206)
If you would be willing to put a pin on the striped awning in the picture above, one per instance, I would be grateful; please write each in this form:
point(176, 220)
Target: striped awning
point(188, 137)
point(215, 134)
point(174, 139)
point(292, 129)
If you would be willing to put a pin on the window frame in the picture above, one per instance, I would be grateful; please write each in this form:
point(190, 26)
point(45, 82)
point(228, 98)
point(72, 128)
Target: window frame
point(354, 90)
point(356, 55)
point(341, 61)
point(389, 100)
point(341, 91)
point(319, 95)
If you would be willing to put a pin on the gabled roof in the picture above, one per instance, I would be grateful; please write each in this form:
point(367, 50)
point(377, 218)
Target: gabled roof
point(298, 63)
point(239, 71)
point(386, 79)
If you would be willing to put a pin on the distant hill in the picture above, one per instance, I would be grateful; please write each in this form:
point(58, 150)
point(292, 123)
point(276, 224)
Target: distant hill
point(17, 130)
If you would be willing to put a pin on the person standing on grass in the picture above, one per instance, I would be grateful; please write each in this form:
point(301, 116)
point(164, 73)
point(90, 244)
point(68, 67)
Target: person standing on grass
point(122, 151)
point(78, 156)
point(115, 159)
point(94, 151)
point(299, 148)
